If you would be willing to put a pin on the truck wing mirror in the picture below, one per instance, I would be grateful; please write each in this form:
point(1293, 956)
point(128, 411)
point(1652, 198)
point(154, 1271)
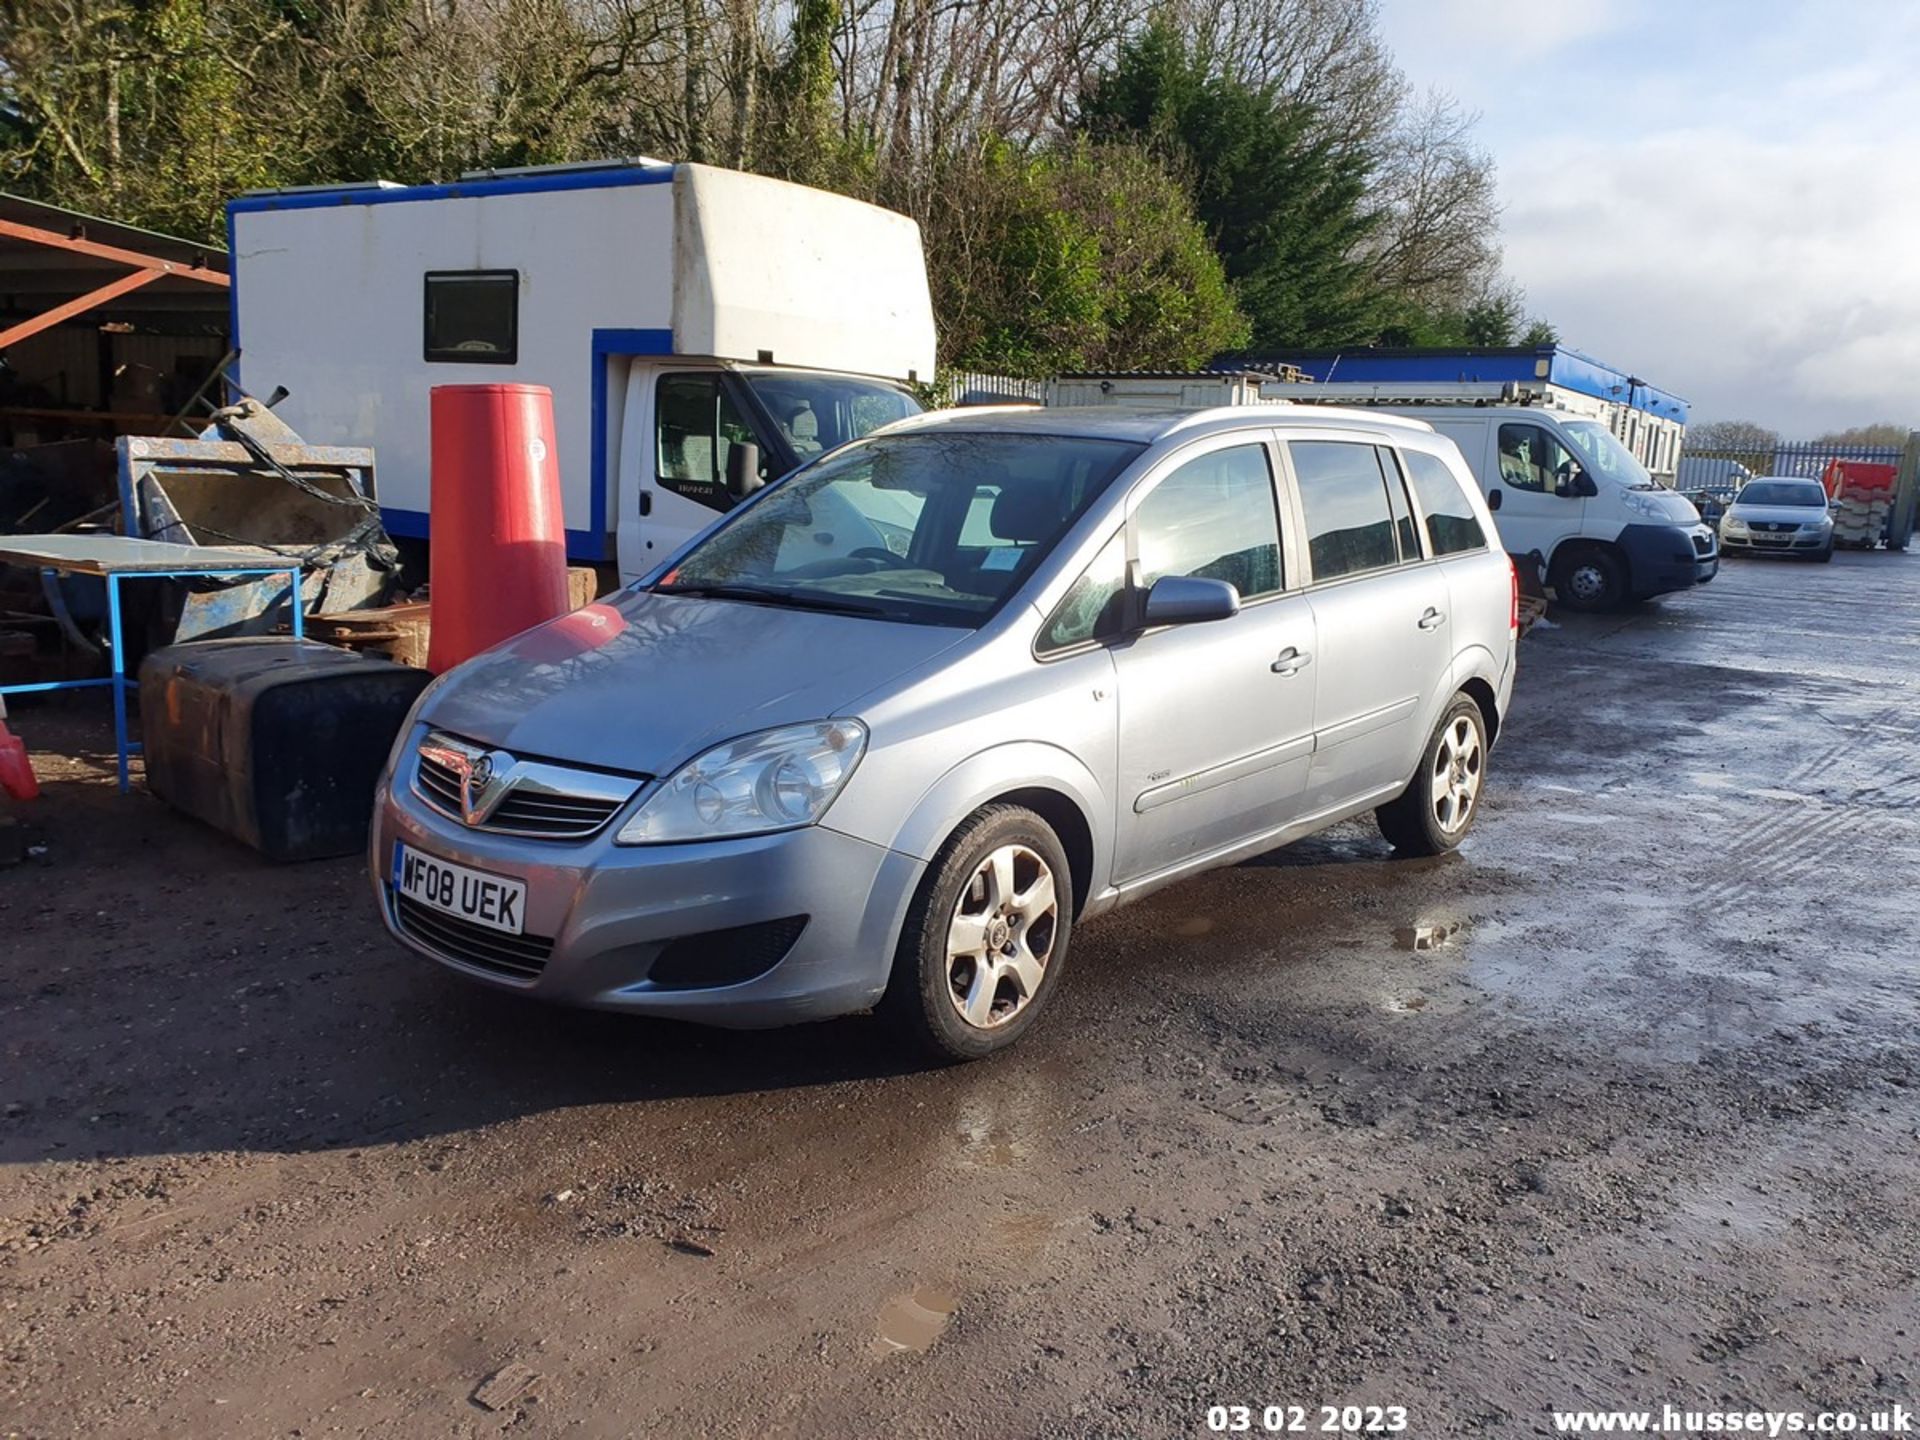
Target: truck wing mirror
point(743, 469)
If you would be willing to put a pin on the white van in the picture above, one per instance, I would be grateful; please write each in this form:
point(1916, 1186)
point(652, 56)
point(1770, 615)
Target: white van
point(1563, 487)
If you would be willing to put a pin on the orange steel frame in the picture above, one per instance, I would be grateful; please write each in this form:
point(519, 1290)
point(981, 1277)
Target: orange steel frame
point(145, 270)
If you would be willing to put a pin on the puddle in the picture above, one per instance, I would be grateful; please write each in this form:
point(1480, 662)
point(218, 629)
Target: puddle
point(994, 1132)
point(914, 1321)
point(1430, 936)
point(1408, 1005)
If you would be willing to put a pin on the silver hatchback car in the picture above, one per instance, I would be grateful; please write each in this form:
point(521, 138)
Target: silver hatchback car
point(889, 730)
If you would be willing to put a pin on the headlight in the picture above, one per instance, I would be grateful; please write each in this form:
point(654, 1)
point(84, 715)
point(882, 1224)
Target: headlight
point(1814, 527)
point(1733, 522)
point(776, 780)
point(1646, 505)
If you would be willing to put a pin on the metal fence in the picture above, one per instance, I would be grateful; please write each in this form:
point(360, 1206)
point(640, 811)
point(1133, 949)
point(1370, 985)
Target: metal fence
point(973, 388)
point(1806, 459)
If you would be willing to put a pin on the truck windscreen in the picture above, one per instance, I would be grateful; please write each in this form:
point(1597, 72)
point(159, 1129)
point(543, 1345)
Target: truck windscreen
point(819, 412)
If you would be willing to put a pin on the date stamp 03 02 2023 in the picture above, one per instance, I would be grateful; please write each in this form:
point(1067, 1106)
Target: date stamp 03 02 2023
point(1307, 1419)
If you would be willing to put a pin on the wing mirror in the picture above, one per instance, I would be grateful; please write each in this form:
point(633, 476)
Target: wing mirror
point(1573, 483)
point(743, 469)
point(1188, 599)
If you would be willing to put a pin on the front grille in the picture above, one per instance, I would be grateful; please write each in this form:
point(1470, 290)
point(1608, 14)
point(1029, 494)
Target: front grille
point(519, 957)
point(541, 801)
point(1703, 545)
point(725, 957)
point(440, 786)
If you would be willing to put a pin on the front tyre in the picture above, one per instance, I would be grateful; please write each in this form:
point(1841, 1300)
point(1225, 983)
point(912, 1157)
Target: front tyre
point(985, 939)
point(1588, 578)
point(1435, 811)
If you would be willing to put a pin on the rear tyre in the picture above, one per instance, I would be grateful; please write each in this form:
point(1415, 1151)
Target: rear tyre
point(985, 940)
point(1589, 578)
point(1433, 814)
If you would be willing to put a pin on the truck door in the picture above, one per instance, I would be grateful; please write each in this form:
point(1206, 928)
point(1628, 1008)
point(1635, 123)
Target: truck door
point(1536, 506)
point(677, 427)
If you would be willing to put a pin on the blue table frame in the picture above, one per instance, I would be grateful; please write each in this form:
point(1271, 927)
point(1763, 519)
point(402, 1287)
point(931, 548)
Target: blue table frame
point(106, 570)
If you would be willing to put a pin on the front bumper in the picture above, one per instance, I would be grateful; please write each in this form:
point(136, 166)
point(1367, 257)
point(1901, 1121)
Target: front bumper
point(1664, 558)
point(1755, 542)
point(611, 911)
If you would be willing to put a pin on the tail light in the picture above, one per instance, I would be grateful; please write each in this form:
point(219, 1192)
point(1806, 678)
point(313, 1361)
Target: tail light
point(1513, 608)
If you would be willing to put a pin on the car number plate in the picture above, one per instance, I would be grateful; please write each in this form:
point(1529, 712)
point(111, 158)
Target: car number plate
point(490, 900)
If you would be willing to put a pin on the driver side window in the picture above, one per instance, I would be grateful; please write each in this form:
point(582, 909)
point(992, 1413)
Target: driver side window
point(696, 425)
point(1532, 459)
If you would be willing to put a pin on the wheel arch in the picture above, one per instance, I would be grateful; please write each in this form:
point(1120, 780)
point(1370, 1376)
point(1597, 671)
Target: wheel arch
point(1483, 695)
point(1051, 782)
point(1575, 545)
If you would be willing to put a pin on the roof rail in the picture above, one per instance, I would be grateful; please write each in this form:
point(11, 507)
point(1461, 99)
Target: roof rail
point(625, 162)
point(340, 188)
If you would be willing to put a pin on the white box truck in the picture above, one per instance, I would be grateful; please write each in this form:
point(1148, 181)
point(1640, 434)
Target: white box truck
point(1560, 485)
point(678, 313)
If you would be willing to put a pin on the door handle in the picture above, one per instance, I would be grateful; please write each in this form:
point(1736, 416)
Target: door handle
point(1431, 620)
point(1291, 661)
point(646, 503)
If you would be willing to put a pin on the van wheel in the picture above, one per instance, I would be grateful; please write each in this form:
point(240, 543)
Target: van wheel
point(1589, 578)
point(985, 940)
point(1435, 811)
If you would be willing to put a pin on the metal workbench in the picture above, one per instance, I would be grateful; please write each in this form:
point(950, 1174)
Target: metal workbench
point(114, 558)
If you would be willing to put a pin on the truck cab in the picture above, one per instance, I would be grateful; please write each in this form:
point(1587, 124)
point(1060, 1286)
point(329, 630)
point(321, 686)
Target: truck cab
point(682, 422)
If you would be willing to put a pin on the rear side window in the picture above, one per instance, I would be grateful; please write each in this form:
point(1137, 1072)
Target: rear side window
point(1350, 521)
point(1451, 524)
point(1213, 518)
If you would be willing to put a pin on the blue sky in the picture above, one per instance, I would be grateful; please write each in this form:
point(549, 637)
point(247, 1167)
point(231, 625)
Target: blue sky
point(1720, 196)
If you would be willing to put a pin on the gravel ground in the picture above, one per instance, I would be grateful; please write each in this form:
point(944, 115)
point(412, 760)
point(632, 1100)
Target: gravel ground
point(1617, 1107)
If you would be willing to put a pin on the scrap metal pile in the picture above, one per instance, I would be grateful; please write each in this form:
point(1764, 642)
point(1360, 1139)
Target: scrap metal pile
point(247, 482)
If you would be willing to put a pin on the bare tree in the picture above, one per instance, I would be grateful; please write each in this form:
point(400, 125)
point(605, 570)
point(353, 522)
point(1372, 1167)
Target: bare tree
point(1437, 242)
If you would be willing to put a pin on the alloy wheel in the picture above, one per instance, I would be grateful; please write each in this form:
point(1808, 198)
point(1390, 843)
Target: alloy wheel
point(1001, 936)
point(1458, 766)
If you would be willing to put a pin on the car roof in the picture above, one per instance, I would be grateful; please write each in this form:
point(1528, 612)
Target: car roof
point(1146, 427)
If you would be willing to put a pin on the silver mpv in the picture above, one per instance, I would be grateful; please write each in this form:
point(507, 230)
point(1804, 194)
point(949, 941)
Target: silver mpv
point(889, 730)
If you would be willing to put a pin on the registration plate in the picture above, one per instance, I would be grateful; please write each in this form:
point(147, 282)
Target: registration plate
point(490, 900)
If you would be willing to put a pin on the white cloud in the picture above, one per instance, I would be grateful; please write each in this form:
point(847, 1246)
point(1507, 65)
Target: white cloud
point(1712, 194)
point(1770, 280)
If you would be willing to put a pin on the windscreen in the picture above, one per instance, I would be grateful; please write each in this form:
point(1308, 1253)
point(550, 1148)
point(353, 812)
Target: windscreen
point(1783, 492)
point(1604, 455)
point(936, 527)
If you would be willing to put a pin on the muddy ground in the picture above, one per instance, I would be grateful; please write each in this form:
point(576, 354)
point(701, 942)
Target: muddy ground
point(1618, 1106)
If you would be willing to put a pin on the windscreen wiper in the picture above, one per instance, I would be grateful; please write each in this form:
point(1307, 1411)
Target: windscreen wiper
point(758, 595)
